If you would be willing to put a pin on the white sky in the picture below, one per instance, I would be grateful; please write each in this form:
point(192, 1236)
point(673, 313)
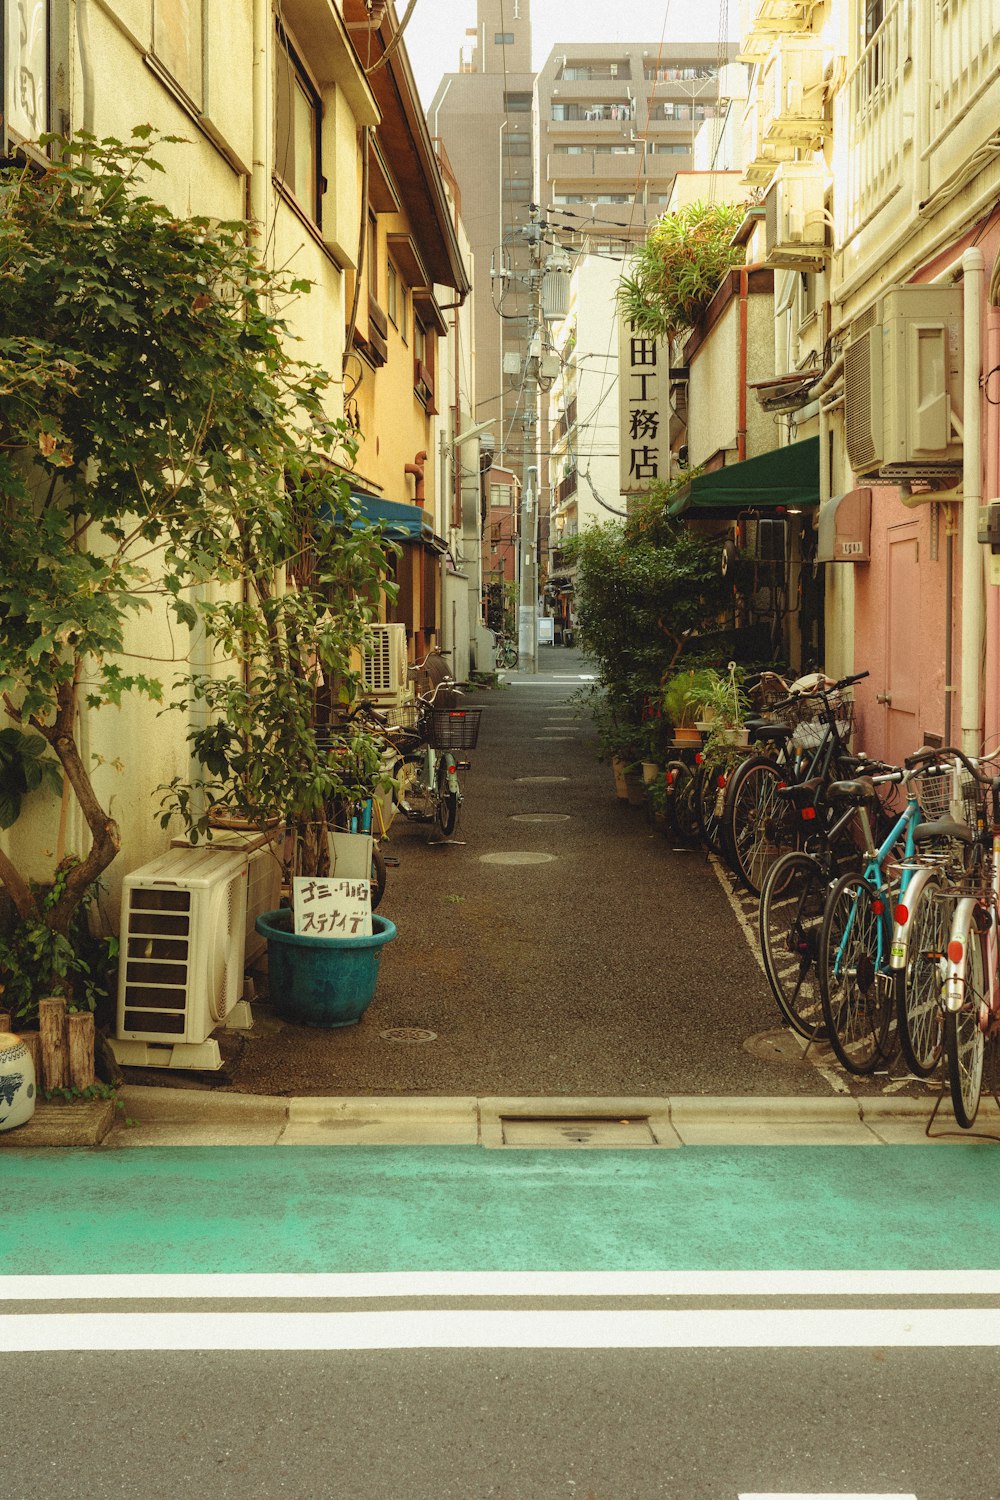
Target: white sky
point(436, 30)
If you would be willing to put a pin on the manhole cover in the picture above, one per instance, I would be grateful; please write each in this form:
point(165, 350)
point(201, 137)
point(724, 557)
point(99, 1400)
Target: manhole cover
point(775, 1046)
point(540, 817)
point(408, 1034)
point(517, 857)
point(541, 780)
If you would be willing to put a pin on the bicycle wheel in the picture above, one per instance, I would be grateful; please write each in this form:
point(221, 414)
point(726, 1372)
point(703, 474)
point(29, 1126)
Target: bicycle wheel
point(681, 814)
point(446, 803)
point(792, 900)
point(919, 1009)
point(855, 989)
point(964, 1041)
point(378, 876)
point(710, 781)
point(758, 825)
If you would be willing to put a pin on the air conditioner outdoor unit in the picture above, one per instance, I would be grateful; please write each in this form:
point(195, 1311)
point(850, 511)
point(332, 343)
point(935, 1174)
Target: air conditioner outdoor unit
point(792, 102)
point(383, 665)
point(263, 852)
point(183, 929)
point(795, 216)
point(903, 385)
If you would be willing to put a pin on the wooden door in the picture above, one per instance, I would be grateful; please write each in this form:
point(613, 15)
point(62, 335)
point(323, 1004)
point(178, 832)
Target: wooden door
point(901, 692)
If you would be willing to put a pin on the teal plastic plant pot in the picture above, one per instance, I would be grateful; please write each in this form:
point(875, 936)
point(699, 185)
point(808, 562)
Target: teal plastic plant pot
point(321, 981)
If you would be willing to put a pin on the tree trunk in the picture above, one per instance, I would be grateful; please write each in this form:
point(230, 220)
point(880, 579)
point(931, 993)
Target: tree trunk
point(80, 1034)
point(52, 1029)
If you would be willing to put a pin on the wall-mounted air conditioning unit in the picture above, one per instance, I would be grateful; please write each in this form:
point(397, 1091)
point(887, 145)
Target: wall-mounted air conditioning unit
point(183, 929)
point(793, 97)
point(263, 853)
point(903, 385)
point(795, 216)
point(383, 665)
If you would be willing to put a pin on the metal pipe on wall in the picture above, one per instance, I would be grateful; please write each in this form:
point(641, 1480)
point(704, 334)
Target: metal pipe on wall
point(973, 601)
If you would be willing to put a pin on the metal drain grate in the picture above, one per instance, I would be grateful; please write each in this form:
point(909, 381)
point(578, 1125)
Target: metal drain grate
point(408, 1034)
point(548, 1133)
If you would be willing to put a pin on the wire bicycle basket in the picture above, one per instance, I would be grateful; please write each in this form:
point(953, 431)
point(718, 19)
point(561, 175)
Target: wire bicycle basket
point(809, 715)
point(944, 792)
point(453, 728)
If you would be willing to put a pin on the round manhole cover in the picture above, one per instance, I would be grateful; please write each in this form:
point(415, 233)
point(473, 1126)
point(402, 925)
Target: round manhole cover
point(517, 857)
point(540, 780)
point(775, 1046)
point(408, 1034)
point(540, 817)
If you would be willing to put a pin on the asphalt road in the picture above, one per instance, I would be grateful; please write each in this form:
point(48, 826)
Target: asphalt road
point(595, 960)
point(397, 1324)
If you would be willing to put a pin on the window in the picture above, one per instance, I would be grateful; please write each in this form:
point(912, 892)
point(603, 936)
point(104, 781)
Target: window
point(296, 130)
point(517, 143)
point(502, 494)
point(371, 255)
point(177, 37)
point(504, 38)
point(516, 103)
point(423, 362)
point(392, 292)
point(874, 16)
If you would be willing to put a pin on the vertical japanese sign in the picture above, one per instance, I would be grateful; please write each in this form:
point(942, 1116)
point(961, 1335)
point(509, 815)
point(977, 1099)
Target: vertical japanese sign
point(643, 384)
point(25, 48)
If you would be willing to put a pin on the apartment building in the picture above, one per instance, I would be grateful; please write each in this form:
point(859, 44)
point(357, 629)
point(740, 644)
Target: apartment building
point(614, 125)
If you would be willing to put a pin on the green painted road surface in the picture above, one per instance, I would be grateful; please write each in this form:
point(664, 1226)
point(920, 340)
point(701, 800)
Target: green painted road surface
point(378, 1209)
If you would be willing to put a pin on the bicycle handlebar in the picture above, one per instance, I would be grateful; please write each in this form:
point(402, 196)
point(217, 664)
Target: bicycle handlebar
point(913, 762)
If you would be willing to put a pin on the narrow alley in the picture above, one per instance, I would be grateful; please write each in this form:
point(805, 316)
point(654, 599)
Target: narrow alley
point(558, 946)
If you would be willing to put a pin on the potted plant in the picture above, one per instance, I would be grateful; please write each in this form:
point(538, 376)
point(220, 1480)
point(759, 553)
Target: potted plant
point(725, 706)
point(683, 698)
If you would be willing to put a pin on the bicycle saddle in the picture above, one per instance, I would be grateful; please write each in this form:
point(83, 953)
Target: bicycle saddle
point(765, 731)
point(851, 793)
point(802, 793)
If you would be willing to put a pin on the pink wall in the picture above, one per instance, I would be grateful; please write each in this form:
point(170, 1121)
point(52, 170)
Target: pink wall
point(915, 653)
point(921, 651)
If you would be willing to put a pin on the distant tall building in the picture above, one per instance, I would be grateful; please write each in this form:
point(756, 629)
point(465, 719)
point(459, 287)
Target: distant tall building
point(615, 123)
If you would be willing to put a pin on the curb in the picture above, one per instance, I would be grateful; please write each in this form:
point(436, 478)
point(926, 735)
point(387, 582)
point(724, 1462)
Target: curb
point(194, 1117)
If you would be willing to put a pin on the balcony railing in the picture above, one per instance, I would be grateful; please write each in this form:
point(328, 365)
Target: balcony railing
point(943, 55)
point(966, 60)
point(869, 125)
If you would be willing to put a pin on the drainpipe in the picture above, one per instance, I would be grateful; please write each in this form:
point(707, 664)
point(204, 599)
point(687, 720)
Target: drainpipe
point(417, 470)
point(741, 431)
point(86, 65)
point(991, 706)
point(260, 186)
point(973, 602)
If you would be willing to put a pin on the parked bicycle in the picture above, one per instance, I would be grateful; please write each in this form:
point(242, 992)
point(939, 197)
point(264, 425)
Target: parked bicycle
point(506, 650)
point(862, 934)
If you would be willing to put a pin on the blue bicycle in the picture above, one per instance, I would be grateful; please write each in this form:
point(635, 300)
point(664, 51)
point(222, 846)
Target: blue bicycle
point(860, 949)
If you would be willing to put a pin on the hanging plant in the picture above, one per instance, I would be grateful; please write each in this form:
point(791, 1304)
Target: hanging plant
point(677, 271)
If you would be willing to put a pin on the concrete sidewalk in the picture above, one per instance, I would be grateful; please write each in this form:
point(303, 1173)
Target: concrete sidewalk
point(193, 1117)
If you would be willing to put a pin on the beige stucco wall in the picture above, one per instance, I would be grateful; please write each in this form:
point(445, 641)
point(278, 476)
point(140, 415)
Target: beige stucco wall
point(713, 396)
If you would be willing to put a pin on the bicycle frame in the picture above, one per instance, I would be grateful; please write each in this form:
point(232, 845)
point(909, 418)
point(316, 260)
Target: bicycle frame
point(905, 824)
point(983, 910)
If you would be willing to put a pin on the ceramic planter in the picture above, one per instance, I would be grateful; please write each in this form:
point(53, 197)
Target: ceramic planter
point(321, 981)
point(17, 1082)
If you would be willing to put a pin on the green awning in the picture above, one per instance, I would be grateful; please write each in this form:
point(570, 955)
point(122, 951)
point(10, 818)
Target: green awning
point(787, 477)
point(400, 522)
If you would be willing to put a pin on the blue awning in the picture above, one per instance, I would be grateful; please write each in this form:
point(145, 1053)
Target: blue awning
point(399, 521)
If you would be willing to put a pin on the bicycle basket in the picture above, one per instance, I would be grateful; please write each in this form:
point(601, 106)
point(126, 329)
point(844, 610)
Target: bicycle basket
point(807, 718)
point(454, 728)
point(409, 714)
point(941, 797)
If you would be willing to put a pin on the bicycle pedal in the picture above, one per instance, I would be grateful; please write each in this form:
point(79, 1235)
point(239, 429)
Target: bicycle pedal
point(463, 765)
point(391, 861)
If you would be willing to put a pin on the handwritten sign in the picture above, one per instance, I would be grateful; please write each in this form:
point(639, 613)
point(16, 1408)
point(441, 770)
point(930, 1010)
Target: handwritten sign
point(331, 908)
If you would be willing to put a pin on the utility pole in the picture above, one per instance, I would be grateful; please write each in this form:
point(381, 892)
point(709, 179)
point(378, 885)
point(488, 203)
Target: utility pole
point(527, 613)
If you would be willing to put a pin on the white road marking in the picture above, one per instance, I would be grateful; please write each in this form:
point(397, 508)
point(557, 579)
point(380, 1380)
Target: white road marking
point(411, 1284)
point(798, 1495)
point(472, 1328)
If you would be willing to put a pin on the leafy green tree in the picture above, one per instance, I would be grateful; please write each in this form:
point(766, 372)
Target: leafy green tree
point(156, 434)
